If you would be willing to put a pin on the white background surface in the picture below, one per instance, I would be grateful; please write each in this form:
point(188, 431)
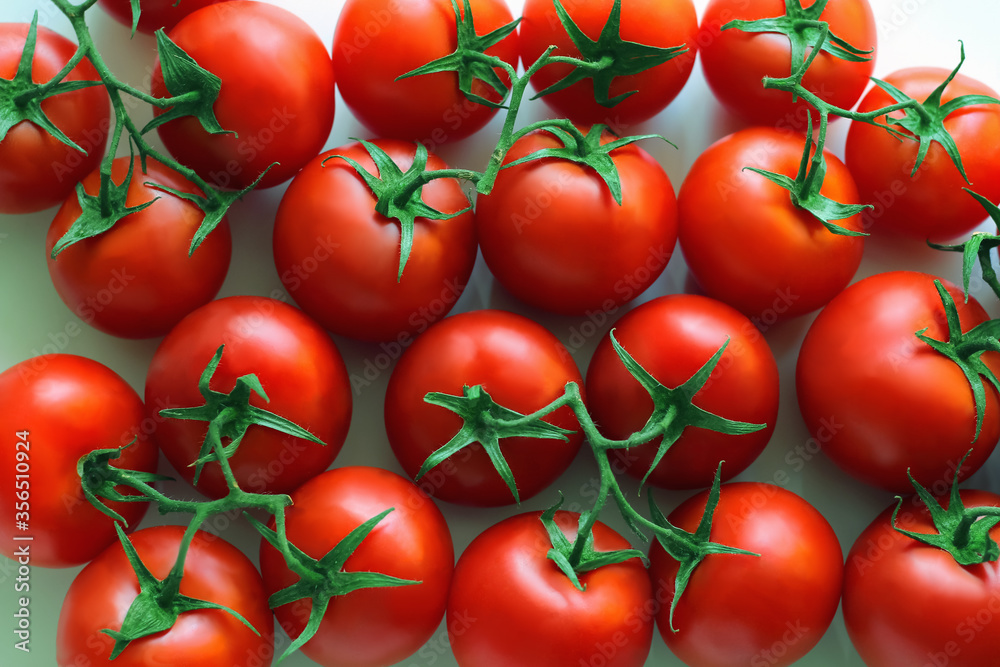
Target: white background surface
point(32, 317)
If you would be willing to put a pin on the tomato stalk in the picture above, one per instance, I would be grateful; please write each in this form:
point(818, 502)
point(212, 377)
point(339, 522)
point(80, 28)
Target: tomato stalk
point(159, 603)
point(978, 249)
point(198, 90)
point(486, 423)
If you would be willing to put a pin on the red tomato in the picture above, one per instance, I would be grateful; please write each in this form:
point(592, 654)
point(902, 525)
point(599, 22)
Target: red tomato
point(931, 204)
point(57, 408)
point(339, 258)
point(374, 626)
point(298, 366)
point(155, 14)
point(658, 23)
point(377, 41)
point(748, 245)
point(553, 235)
point(510, 605)
point(521, 366)
point(36, 169)
point(740, 609)
point(907, 603)
point(878, 399)
point(214, 571)
point(122, 283)
point(277, 94)
point(734, 61)
point(672, 337)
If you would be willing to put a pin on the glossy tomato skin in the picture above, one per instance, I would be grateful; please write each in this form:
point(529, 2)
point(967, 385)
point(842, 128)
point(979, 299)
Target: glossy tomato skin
point(742, 609)
point(155, 14)
point(36, 169)
point(339, 258)
point(553, 235)
point(510, 605)
point(298, 366)
point(672, 337)
point(377, 41)
point(881, 401)
point(69, 406)
point(121, 281)
point(748, 245)
point(277, 94)
point(375, 626)
point(521, 366)
point(931, 204)
point(657, 23)
point(214, 570)
point(892, 582)
point(734, 61)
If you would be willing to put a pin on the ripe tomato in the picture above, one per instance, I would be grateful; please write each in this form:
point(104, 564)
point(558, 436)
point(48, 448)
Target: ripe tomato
point(879, 399)
point(277, 94)
point(214, 571)
point(119, 281)
point(741, 609)
point(658, 23)
point(521, 366)
point(553, 235)
point(748, 245)
point(339, 258)
point(931, 203)
point(672, 337)
point(892, 581)
point(155, 14)
point(377, 41)
point(374, 626)
point(734, 61)
point(298, 366)
point(510, 605)
point(65, 406)
point(36, 169)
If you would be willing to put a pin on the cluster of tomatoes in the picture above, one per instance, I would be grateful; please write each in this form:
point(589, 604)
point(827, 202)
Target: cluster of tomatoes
point(878, 400)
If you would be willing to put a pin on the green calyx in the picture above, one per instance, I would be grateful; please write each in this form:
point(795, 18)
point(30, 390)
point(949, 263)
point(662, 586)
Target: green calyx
point(21, 99)
point(194, 89)
point(674, 409)
point(978, 249)
point(962, 532)
point(398, 193)
point(99, 479)
point(690, 549)
point(484, 422)
point(469, 60)
point(805, 187)
point(586, 149)
point(804, 29)
point(325, 578)
point(607, 57)
point(230, 415)
point(575, 561)
point(925, 120)
point(100, 212)
point(159, 602)
point(966, 350)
